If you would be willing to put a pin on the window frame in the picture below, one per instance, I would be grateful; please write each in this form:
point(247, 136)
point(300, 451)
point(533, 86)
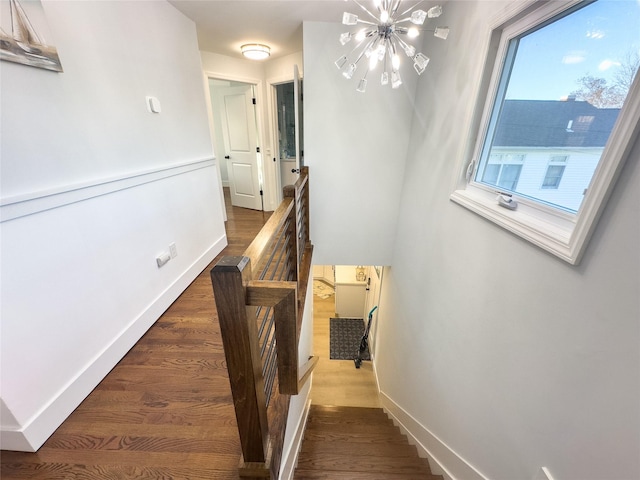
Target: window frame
point(561, 233)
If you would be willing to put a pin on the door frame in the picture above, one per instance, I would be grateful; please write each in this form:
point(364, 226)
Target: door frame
point(272, 82)
point(270, 186)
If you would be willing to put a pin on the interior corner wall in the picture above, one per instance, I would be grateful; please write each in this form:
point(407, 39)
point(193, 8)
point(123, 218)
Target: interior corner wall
point(501, 357)
point(355, 147)
point(94, 188)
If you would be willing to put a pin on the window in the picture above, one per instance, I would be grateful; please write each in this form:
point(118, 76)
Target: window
point(553, 176)
point(540, 108)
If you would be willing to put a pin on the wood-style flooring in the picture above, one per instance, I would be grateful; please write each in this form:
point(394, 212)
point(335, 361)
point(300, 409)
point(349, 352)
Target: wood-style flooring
point(338, 382)
point(165, 411)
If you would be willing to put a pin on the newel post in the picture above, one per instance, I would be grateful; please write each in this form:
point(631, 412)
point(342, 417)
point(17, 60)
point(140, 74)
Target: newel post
point(240, 339)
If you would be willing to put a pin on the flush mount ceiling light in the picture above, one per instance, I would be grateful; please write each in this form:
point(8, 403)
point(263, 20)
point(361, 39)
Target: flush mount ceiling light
point(255, 51)
point(380, 40)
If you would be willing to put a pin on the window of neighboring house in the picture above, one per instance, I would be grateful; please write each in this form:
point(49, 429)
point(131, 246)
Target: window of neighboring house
point(539, 99)
point(503, 171)
point(554, 173)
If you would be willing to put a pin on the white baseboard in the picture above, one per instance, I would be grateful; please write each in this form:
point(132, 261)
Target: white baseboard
point(31, 436)
point(442, 459)
point(290, 458)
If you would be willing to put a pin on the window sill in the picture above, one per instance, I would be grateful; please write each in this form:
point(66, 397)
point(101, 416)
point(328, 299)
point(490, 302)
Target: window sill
point(551, 233)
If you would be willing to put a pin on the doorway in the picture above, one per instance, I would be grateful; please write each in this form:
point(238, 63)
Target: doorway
point(289, 134)
point(237, 141)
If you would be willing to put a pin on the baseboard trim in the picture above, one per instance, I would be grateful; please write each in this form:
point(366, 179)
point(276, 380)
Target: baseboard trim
point(41, 426)
point(291, 459)
point(442, 458)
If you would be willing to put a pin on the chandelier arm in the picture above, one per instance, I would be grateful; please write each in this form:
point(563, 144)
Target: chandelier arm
point(363, 50)
point(395, 8)
point(403, 44)
point(366, 10)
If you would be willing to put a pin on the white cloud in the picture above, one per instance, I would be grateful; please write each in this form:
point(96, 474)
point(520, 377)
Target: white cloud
point(596, 34)
point(607, 64)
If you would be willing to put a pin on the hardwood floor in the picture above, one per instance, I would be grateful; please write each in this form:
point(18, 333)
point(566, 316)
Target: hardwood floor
point(165, 411)
point(338, 382)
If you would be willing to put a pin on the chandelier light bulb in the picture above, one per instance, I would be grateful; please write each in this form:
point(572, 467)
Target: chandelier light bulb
point(384, 16)
point(413, 32)
point(373, 61)
point(395, 61)
point(361, 35)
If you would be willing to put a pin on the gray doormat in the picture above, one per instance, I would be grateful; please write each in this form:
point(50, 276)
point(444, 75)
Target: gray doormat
point(344, 338)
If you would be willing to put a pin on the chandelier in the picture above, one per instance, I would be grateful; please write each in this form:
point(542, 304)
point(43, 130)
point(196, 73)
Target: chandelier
point(381, 39)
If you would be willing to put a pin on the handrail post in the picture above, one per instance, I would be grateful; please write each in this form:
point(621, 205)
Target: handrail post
point(240, 339)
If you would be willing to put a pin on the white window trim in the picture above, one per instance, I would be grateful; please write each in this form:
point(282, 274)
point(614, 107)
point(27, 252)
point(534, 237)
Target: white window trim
point(562, 234)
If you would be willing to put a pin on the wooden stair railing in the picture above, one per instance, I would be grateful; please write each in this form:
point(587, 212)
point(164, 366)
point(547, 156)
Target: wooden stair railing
point(260, 302)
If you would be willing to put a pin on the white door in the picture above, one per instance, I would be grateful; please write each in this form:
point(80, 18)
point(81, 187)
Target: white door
point(241, 146)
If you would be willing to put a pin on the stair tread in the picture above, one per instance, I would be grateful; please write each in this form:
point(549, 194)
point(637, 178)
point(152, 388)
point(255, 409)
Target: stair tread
point(355, 428)
point(349, 462)
point(337, 475)
point(368, 438)
point(338, 409)
point(359, 449)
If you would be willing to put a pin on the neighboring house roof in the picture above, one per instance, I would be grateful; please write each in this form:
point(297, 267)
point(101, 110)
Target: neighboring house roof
point(551, 123)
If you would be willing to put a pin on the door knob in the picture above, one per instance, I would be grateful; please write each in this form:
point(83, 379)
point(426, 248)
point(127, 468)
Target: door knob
point(295, 170)
point(227, 157)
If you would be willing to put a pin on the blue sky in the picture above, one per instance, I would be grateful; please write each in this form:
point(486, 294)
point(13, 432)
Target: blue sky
point(589, 42)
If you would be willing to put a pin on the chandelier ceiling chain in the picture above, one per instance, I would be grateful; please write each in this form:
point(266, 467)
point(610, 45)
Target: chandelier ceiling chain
point(380, 39)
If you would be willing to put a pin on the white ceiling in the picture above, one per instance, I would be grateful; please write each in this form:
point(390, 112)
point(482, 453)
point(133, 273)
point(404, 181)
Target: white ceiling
point(224, 25)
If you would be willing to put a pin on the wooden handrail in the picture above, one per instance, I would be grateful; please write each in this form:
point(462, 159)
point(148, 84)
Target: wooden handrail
point(260, 301)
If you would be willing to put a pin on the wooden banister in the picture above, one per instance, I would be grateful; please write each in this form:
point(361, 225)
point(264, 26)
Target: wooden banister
point(260, 301)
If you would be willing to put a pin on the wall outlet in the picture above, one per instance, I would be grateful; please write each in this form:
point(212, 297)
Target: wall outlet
point(173, 250)
point(543, 474)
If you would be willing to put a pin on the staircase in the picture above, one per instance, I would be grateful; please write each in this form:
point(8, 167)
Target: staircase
point(357, 443)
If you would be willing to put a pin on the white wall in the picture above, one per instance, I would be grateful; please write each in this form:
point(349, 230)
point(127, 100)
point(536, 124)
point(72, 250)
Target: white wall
point(498, 352)
point(355, 147)
point(498, 357)
point(93, 189)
